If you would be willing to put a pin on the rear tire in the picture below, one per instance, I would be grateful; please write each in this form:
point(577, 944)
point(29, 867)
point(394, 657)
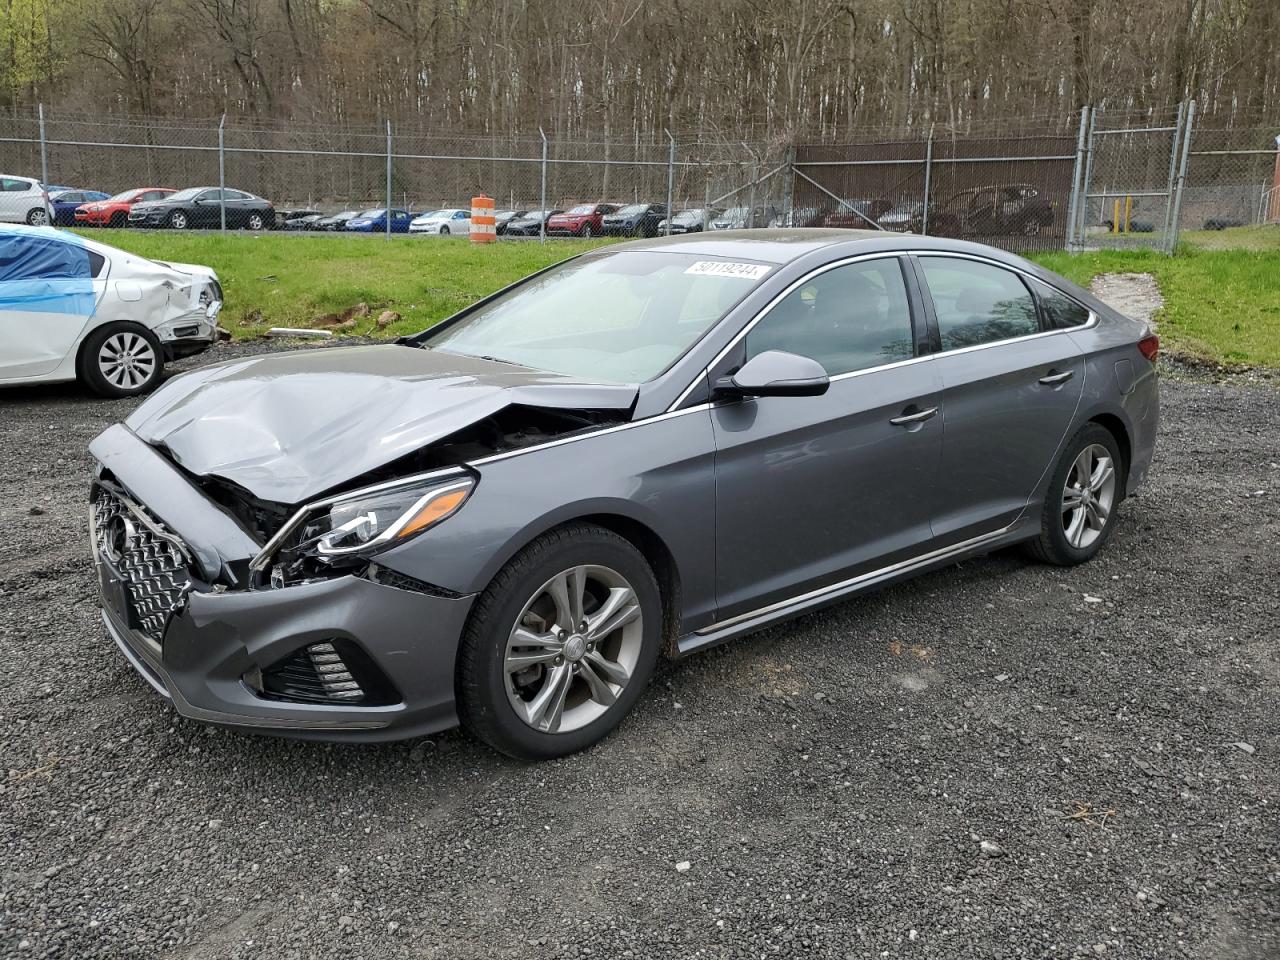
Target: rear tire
point(534, 684)
point(1080, 511)
point(37, 217)
point(121, 360)
point(255, 222)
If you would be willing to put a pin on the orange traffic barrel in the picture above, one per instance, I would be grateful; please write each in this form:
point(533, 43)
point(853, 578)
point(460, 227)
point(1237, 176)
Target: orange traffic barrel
point(484, 227)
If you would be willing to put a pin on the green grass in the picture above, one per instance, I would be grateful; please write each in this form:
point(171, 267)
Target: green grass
point(1222, 291)
point(283, 280)
point(1221, 305)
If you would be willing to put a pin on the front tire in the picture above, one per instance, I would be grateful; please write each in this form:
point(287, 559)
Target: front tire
point(121, 360)
point(444, 231)
point(178, 220)
point(560, 645)
point(1084, 492)
point(586, 233)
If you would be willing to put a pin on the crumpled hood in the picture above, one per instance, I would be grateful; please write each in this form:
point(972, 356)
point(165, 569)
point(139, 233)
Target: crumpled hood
point(289, 426)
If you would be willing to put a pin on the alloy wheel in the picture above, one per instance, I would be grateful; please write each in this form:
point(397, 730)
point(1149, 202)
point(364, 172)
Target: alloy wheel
point(255, 221)
point(178, 220)
point(587, 232)
point(573, 649)
point(38, 218)
point(1088, 496)
point(126, 360)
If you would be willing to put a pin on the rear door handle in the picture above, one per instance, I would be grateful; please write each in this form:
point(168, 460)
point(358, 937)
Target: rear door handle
point(1051, 379)
point(909, 418)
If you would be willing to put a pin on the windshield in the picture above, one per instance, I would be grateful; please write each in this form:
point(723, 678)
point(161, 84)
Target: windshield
point(633, 210)
point(686, 216)
point(438, 215)
point(371, 214)
point(620, 317)
point(123, 196)
point(735, 213)
point(189, 194)
point(583, 209)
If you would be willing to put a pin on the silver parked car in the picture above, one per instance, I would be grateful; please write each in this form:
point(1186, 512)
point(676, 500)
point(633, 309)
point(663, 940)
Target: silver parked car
point(641, 452)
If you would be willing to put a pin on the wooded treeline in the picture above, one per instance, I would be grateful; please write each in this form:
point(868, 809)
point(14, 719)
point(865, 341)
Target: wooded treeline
point(766, 69)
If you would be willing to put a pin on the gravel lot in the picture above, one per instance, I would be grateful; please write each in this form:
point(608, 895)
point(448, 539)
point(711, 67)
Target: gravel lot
point(996, 760)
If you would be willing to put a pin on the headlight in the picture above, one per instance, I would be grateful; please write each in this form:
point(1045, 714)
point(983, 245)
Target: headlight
point(379, 517)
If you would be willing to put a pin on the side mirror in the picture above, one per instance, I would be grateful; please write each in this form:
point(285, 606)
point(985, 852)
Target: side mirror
point(776, 373)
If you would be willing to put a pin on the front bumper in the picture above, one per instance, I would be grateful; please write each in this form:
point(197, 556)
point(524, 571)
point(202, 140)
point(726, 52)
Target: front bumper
point(207, 648)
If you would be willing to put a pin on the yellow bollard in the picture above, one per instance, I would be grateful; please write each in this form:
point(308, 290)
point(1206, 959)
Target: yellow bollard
point(1115, 218)
point(484, 228)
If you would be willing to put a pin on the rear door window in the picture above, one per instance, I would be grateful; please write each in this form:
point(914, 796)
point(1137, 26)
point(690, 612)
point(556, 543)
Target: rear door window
point(978, 303)
point(1060, 312)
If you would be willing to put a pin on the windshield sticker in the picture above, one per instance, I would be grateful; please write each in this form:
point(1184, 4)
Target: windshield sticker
point(727, 268)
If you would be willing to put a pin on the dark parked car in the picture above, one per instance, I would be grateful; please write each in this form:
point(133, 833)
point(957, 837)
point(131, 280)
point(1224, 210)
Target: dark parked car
point(301, 218)
point(584, 220)
point(906, 217)
point(1017, 208)
point(336, 221)
point(508, 518)
point(504, 217)
point(690, 221)
point(529, 225)
point(375, 221)
point(65, 202)
point(857, 214)
point(634, 220)
point(201, 207)
point(741, 218)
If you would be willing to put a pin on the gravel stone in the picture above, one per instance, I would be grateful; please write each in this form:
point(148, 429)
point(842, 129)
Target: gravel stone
point(821, 828)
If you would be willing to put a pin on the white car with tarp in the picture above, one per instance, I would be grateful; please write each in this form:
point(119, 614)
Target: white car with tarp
point(75, 309)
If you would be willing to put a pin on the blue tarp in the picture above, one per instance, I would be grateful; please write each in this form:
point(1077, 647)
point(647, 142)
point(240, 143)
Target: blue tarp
point(44, 271)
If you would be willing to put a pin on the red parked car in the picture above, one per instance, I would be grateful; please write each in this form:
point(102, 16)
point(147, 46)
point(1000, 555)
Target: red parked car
point(582, 221)
point(115, 211)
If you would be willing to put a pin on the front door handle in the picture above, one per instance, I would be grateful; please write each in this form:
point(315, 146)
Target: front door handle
point(919, 417)
point(1052, 379)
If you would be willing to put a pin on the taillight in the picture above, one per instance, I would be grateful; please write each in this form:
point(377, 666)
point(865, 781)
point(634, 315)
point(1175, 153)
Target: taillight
point(1149, 346)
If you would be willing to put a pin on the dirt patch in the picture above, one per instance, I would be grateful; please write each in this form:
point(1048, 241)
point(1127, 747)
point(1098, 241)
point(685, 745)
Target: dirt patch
point(1136, 295)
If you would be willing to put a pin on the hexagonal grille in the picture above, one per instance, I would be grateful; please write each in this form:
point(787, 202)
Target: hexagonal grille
point(147, 557)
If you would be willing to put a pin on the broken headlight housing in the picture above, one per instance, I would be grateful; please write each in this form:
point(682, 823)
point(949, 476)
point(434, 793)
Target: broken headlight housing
point(340, 534)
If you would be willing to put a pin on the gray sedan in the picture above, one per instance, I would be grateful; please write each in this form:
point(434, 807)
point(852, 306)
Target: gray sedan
point(641, 452)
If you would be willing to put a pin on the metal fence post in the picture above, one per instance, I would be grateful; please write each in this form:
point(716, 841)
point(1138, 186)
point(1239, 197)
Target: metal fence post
point(387, 212)
point(671, 179)
point(222, 173)
point(751, 196)
point(1082, 209)
point(789, 188)
point(1173, 170)
point(928, 175)
point(1176, 223)
point(542, 196)
point(1073, 207)
point(44, 173)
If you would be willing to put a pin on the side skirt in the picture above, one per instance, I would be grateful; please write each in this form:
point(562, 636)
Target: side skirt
point(753, 620)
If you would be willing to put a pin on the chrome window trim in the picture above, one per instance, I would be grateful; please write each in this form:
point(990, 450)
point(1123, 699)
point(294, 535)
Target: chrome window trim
point(768, 307)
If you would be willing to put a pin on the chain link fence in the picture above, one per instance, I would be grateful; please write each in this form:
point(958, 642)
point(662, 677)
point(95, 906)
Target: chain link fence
point(1118, 180)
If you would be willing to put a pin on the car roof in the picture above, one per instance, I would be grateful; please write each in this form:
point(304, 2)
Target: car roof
point(769, 246)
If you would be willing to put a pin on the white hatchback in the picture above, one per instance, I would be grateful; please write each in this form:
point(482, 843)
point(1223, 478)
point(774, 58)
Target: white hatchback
point(75, 309)
point(23, 200)
point(443, 222)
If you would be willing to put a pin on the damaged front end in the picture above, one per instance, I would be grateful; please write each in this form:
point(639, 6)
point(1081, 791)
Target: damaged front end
point(248, 605)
